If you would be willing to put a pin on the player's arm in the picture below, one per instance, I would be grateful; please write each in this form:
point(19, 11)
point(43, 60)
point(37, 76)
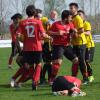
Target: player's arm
point(20, 35)
point(80, 25)
point(87, 28)
point(55, 31)
point(10, 29)
point(42, 32)
point(73, 31)
point(59, 32)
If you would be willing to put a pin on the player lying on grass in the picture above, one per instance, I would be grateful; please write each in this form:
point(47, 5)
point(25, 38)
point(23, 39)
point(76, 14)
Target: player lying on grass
point(67, 85)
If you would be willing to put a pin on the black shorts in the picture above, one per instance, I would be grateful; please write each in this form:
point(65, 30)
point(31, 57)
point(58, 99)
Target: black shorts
point(60, 84)
point(15, 48)
point(32, 57)
point(47, 53)
point(80, 51)
point(89, 54)
point(59, 51)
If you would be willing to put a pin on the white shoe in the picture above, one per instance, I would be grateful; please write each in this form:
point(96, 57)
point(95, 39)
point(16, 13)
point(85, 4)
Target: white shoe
point(91, 79)
point(12, 83)
point(75, 94)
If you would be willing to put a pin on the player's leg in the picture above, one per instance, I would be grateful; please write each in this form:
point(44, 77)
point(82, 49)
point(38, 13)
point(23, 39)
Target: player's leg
point(57, 55)
point(13, 53)
point(89, 58)
point(19, 72)
point(82, 63)
point(69, 54)
point(47, 63)
point(20, 59)
point(27, 75)
point(37, 56)
point(18, 47)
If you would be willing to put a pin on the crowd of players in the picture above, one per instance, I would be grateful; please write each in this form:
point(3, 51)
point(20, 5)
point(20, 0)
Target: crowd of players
point(49, 39)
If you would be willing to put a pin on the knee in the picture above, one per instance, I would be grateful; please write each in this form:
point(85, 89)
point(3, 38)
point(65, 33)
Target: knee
point(58, 61)
point(75, 60)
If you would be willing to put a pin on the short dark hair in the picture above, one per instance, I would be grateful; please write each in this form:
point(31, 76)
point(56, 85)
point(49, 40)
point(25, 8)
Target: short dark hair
point(17, 16)
point(38, 11)
point(65, 14)
point(30, 10)
point(81, 11)
point(74, 4)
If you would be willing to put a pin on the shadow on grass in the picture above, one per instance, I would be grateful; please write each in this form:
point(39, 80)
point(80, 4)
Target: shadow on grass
point(42, 94)
point(4, 86)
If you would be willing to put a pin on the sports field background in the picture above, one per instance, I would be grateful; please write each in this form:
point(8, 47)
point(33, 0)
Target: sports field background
point(44, 93)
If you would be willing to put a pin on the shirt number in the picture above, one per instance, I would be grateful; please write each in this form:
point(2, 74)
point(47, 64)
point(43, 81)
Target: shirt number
point(30, 30)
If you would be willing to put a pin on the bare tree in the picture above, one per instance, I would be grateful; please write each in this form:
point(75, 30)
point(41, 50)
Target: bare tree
point(58, 5)
point(25, 3)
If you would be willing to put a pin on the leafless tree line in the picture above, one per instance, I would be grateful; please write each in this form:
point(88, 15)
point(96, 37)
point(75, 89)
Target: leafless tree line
point(91, 7)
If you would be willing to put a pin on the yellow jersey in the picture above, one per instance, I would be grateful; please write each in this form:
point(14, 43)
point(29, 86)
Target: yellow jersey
point(90, 42)
point(78, 23)
point(44, 22)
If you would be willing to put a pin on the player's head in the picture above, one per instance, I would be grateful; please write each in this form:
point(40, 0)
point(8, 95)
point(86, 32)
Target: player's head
point(53, 14)
point(16, 18)
point(73, 7)
point(38, 13)
point(66, 16)
point(82, 14)
point(30, 11)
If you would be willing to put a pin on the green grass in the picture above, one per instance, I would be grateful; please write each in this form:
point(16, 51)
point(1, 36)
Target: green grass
point(44, 93)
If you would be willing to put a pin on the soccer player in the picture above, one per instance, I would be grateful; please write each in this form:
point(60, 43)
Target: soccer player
point(47, 47)
point(15, 43)
point(90, 46)
point(32, 31)
point(38, 14)
point(60, 32)
point(67, 85)
point(79, 42)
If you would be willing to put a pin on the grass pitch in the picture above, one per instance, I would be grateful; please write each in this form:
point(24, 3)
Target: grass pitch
point(44, 93)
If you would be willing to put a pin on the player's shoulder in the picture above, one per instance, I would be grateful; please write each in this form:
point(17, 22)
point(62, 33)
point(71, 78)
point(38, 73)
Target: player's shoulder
point(57, 22)
point(11, 25)
point(22, 21)
point(87, 22)
point(77, 17)
point(71, 24)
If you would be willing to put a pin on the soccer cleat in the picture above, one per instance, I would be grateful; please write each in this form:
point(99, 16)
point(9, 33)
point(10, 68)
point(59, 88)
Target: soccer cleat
point(12, 83)
point(82, 94)
point(91, 79)
point(43, 83)
point(75, 94)
point(85, 81)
